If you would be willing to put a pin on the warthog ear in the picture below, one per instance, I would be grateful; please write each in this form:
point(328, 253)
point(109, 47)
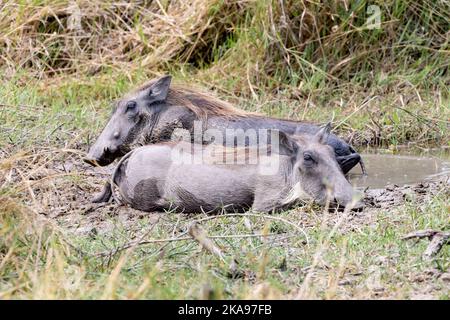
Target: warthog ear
point(348, 162)
point(286, 143)
point(159, 90)
point(322, 135)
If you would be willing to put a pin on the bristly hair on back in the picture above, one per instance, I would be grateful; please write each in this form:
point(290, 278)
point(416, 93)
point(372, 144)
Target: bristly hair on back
point(199, 101)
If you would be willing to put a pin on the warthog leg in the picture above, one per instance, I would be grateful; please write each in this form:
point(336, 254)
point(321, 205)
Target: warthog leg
point(104, 195)
point(361, 162)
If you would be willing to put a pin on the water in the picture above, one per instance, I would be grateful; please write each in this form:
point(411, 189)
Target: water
point(400, 169)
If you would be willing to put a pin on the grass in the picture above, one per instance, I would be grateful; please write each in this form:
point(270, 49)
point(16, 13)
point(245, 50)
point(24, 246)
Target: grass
point(362, 260)
point(384, 87)
point(79, 108)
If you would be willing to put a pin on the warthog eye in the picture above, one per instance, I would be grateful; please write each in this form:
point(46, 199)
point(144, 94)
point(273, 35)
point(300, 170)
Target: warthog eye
point(308, 159)
point(131, 105)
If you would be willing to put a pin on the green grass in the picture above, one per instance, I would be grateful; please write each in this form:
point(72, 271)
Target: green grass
point(78, 109)
point(361, 260)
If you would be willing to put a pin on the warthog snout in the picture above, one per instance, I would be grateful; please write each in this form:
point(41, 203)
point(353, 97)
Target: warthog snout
point(92, 162)
point(344, 195)
point(92, 158)
point(101, 156)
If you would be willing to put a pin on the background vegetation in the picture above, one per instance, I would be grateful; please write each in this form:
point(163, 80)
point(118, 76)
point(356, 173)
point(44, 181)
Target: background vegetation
point(63, 62)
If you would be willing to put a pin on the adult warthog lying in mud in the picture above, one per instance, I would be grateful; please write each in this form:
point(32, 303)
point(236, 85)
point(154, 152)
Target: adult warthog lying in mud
point(155, 177)
point(152, 113)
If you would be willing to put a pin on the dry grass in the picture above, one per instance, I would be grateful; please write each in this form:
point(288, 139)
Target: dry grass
point(252, 45)
point(60, 37)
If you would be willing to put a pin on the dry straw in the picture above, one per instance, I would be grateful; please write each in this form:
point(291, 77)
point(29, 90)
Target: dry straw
point(73, 36)
point(251, 44)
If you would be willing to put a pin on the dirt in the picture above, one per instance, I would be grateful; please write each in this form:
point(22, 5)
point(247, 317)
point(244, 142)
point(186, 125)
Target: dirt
point(89, 217)
point(393, 195)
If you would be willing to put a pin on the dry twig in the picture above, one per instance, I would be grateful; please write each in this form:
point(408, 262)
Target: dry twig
point(438, 240)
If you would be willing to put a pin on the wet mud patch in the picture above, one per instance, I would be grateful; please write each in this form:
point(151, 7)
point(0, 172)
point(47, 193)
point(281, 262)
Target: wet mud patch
point(386, 170)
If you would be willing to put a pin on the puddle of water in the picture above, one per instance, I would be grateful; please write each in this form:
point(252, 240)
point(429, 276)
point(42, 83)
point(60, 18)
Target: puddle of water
point(385, 169)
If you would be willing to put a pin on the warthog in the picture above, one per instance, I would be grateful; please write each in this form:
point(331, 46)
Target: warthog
point(152, 113)
point(150, 178)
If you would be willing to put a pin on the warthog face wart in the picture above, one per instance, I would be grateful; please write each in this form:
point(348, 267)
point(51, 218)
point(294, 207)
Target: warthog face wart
point(131, 115)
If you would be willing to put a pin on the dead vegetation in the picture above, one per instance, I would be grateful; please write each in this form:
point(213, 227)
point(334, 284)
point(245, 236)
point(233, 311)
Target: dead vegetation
point(255, 45)
point(437, 240)
point(86, 36)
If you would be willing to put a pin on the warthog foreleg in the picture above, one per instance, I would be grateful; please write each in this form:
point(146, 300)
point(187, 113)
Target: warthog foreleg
point(363, 167)
point(104, 195)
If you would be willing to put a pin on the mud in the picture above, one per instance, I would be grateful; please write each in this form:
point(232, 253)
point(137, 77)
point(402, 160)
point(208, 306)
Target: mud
point(394, 195)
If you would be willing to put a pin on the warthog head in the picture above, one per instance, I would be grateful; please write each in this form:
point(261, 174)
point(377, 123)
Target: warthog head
point(317, 174)
point(130, 116)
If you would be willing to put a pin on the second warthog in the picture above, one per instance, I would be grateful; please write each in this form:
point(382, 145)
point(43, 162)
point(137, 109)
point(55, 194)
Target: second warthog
point(153, 178)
